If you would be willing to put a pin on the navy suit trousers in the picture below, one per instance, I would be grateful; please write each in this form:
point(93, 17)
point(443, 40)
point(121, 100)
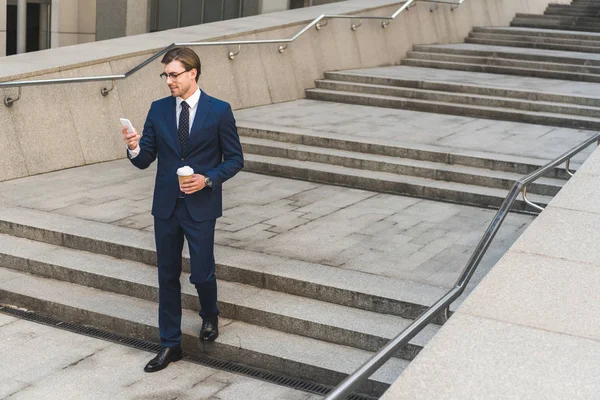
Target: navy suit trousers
point(169, 235)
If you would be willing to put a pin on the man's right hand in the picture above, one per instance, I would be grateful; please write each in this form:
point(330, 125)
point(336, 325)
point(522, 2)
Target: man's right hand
point(131, 139)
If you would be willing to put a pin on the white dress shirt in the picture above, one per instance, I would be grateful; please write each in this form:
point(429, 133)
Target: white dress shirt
point(192, 102)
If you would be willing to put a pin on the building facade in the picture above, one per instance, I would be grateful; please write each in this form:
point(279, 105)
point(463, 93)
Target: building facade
point(58, 23)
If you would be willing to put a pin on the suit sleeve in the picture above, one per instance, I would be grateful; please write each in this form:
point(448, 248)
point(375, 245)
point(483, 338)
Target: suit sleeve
point(233, 158)
point(147, 144)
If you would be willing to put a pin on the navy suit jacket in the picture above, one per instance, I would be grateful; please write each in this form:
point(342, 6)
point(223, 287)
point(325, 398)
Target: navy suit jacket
point(213, 150)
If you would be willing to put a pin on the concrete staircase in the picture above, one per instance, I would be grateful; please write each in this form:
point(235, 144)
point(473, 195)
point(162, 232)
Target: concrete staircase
point(398, 169)
point(539, 57)
point(505, 60)
point(293, 317)
point(580, 15)
point(299, 318)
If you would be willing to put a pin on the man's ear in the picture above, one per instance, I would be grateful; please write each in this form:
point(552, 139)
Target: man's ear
point(195, 73)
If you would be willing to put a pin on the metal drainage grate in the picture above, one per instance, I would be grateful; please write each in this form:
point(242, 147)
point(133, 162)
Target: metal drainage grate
point(207, 361)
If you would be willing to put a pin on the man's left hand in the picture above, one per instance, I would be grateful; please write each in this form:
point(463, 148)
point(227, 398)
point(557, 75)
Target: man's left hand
point(192, 185)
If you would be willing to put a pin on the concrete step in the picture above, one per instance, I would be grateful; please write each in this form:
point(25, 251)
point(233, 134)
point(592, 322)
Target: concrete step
point(539, 33)
point(532, 72)
point(274, 310)
point(385, 182)
point(401, 166)
point(573, 10)
point(293, 355)
point(588, 16)
point(575, 7)
point(532, 42)
point(516, 36)
point(500, 60)
point(428, 80)
point(415, 151)
point(550, 23)
point(441, 107)
point(546, 57)
point(562, 20)
point(344, 287)
point(460, 98)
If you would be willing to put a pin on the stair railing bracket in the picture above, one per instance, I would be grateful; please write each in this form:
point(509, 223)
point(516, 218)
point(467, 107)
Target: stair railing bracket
point(567, 169)
point(321, 24)
point(104, 91)
point(232, 54)
point(9, 101)
point(526, 200)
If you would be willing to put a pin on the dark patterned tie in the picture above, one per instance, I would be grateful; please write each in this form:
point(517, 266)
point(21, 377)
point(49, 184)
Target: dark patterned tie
point(184, 124)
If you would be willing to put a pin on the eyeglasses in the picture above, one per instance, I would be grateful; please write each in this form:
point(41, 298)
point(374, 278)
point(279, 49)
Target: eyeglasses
point(171, 75)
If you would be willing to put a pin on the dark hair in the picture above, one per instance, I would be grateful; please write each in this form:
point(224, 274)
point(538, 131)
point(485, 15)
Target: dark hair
point(185, 56)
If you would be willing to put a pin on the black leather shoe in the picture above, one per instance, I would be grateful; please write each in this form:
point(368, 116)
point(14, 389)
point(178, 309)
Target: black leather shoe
point(210, 329)
point(166, 356)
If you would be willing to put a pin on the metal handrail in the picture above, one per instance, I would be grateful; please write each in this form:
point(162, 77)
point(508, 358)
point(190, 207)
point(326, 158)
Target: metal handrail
point(316, 23)
point(358, 377)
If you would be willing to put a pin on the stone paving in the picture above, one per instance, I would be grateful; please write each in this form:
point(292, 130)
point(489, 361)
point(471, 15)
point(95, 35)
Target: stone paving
point(448, 132)
point(395, 236)
point(42, 362)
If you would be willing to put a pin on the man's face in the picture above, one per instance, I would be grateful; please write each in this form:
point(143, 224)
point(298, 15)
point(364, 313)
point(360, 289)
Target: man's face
point(184, 85)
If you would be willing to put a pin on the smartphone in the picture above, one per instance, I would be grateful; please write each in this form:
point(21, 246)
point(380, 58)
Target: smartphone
point(127, 124)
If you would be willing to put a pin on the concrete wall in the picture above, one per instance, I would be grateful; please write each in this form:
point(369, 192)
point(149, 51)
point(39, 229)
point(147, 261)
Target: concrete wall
point(138, 17)
point(111, 19)
point(73, 22)
point(531, 328)
point(60, 126)
point(118, 18)
point(268, 6)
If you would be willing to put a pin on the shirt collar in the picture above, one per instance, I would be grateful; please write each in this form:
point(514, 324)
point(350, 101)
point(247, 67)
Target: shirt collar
point(192, 100)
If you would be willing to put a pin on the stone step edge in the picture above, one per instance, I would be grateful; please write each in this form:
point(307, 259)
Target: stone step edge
point(580, 122)
point(358, 289)
point(503, 52)
point(422, 187)
point(538, 32)
point(471, 58)
point(481, 173)
point(556, 18)
point(532, 45)
point(432, 91)
point(553, 24)
point(406, 149)
point(235, 299)
point(508, 35)
point(488, 68)
point(470, 88)
point(516, 41)
point(567, 37)
point(248, 344)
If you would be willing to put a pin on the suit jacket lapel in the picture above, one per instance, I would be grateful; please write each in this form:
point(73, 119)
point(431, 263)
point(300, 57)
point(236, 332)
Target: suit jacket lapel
point(202, 111)
point(172, 135)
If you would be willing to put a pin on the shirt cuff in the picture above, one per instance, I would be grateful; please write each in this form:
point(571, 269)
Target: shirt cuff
point(134, 153)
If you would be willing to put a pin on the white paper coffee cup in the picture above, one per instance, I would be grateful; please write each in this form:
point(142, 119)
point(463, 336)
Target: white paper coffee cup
point(184, 173)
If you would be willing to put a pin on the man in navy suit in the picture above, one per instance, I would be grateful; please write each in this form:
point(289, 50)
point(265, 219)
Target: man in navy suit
point(188, 128)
